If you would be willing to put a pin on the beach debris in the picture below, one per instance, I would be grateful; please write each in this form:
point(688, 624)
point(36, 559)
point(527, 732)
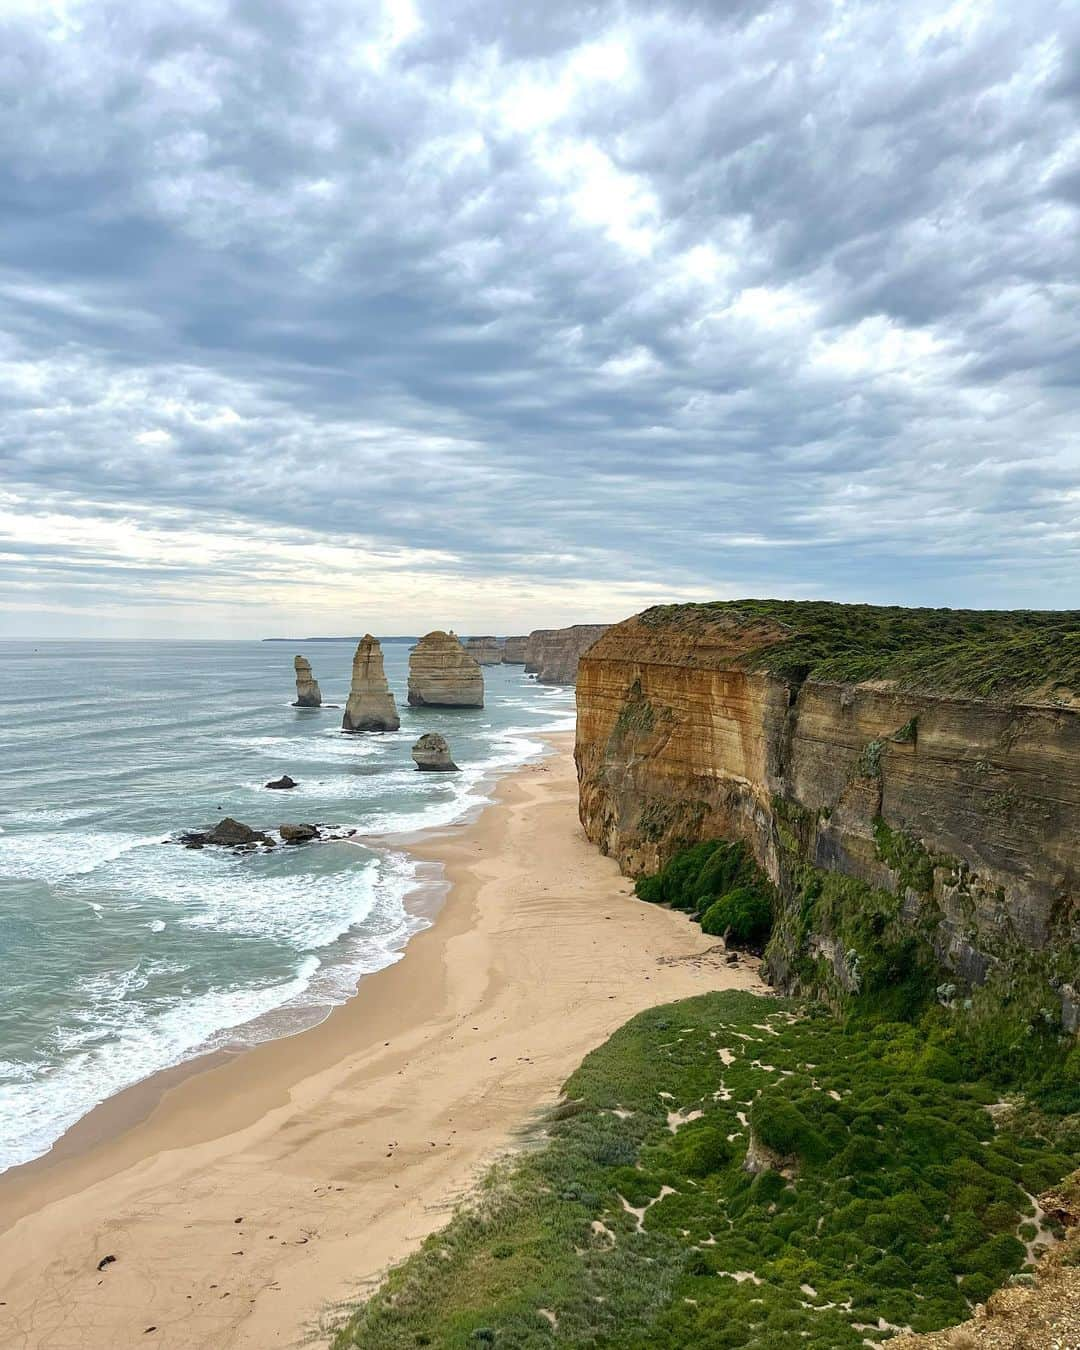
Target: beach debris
point(308, 694)
point(371, 705)
point(431, 754)
point(282, 784)
point(105, 1261)
point(298, 834)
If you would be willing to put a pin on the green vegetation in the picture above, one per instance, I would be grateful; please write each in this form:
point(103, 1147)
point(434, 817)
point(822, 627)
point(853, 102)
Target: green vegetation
point(722, 886)
point(986, 653)
point(632, 1222)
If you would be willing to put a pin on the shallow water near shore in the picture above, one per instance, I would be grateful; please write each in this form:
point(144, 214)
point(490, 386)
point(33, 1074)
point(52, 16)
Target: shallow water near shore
point(121, 955)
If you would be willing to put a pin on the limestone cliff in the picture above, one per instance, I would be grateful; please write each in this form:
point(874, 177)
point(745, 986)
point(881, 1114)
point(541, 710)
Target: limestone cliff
point(371, 705)
point(513, 651)
point(552, 654)
point(443, 675)
point(698, 722)
point(308, 694)
point(485, 651)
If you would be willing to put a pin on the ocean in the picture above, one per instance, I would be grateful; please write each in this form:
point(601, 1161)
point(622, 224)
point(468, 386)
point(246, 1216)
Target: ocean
point(121, 955)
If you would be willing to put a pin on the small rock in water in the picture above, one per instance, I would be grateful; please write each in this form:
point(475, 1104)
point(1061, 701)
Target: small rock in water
point(281, 783)
point(432, 754)
point(298, 834)
point(227, 833)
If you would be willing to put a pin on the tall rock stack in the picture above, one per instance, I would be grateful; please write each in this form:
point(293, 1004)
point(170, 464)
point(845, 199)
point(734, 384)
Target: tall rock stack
point(308, 694)
point(513, 651)
point(442, 674)
point(485, 651)
point(371, 705)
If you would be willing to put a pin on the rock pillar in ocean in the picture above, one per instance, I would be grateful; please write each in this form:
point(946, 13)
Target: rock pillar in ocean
point(308, 694)
point(443, 675)
point(485, 651)
point(432, 754)
point(371, 705)
point(513, 652)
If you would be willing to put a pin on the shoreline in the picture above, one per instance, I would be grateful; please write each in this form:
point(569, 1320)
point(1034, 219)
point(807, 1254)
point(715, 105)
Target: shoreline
point(245, 1192)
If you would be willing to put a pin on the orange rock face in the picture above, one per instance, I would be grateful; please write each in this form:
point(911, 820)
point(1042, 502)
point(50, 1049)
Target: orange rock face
point(677, 742)
point(552, 654)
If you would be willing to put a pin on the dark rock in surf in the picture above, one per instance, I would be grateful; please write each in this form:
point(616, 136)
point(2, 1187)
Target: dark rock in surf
point(298, 834)
point(282, 783)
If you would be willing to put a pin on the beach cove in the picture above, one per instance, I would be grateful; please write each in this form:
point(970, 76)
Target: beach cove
point(246, 1199)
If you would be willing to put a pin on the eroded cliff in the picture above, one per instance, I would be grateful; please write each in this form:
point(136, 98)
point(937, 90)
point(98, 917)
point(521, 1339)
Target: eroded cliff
point(552, 654)
point(737, 722)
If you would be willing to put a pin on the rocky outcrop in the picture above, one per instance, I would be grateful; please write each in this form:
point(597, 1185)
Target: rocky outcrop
point(443, 675)
point(371, 705)
point(282, 784)
point(485, 651)
point(432, 754)
point(513, 651)
point(298, 834)
point(968, 809)
point(308, 694)
point(227, 833)
point(552, 654)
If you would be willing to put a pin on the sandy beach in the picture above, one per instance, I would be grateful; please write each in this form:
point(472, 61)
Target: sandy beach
point(245, 1201)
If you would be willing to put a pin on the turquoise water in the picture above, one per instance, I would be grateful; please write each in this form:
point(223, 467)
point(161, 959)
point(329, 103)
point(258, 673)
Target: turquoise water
point(121, 955)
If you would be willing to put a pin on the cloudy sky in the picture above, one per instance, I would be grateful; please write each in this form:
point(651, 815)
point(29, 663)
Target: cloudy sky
point(318, 316)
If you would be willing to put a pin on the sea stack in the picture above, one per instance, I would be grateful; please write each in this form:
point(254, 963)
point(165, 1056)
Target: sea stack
point(432, 754)
point(308, 694)
point(513, 651)
point(485, 651)
point(442, 674)
point(371, 705)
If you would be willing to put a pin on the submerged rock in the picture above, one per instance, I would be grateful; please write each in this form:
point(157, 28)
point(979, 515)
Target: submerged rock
point(432, 754)
point(371, 705)
point(282, 783)
point(443, 675)
point(298, 834)
point(308, 694)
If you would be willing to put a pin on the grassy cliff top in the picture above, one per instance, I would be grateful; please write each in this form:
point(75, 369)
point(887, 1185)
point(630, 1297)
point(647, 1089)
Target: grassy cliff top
point(997, 654)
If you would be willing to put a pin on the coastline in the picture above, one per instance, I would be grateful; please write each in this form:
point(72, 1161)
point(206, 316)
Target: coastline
point(244, 1193)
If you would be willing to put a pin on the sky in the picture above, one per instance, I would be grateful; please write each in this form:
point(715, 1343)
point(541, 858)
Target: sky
point(320, 316)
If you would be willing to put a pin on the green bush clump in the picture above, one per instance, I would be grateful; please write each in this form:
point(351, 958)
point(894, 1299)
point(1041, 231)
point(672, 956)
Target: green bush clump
point(720, 882)
point(624, 1226)
point(745, 913)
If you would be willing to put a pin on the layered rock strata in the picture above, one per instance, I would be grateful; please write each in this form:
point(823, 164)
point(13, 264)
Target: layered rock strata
point(552, 654)
point(967, 809)
point(431, 754)
point(443, 675)
point(308, 694)
point(485, 651)
point(371, 705)
point(535, 644)
point(513, 651)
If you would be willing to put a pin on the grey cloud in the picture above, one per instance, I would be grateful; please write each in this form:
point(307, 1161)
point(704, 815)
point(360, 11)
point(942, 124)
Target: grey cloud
point(402, 296)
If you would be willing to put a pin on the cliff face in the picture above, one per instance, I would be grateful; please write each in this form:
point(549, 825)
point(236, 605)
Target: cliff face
point(966, 808)
point(485, 651)
point(513, 651)
point(552, 654)
point(443, 675)
point(371, 705)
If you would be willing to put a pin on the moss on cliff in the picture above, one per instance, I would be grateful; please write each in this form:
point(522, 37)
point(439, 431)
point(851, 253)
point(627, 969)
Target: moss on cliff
point(648, 1217)
point(983, 653)
point(722, 884)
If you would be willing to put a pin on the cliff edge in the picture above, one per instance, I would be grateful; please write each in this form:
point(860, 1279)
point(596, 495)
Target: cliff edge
point(932, 755)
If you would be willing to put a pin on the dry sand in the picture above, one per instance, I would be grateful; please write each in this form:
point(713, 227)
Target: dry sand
point(245, 1201)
